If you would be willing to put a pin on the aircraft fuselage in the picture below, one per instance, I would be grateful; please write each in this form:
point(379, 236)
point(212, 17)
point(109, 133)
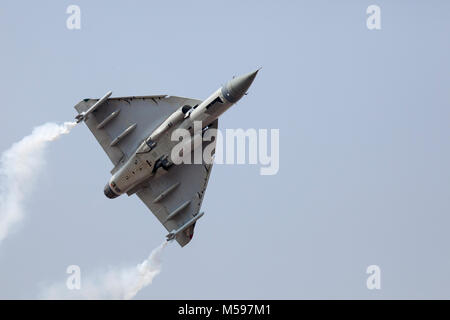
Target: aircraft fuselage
point(155, 151)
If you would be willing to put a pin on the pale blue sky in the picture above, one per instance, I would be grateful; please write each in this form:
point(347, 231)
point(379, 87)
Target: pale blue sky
point(364, 145)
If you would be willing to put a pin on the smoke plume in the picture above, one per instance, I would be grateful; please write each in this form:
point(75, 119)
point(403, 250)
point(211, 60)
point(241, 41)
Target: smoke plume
point(19, 167)
point(115, 283)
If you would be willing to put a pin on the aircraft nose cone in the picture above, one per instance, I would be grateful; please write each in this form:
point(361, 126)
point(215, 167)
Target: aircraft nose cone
point(237, 87)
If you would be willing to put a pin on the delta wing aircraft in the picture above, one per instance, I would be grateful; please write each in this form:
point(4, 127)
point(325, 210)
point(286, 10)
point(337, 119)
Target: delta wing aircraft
point(135, 132)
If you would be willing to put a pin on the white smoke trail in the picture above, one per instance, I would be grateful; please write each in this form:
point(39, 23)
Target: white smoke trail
point(19, 166)
point(116, 283)
point(147, 270)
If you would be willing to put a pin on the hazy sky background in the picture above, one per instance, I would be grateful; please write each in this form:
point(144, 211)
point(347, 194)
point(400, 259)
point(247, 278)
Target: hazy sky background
point(364, 145)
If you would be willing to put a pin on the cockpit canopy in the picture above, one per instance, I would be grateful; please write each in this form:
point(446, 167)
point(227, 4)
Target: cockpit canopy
point(185, 109)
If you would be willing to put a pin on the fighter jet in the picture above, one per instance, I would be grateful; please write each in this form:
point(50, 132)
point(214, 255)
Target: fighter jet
point(135, 132)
